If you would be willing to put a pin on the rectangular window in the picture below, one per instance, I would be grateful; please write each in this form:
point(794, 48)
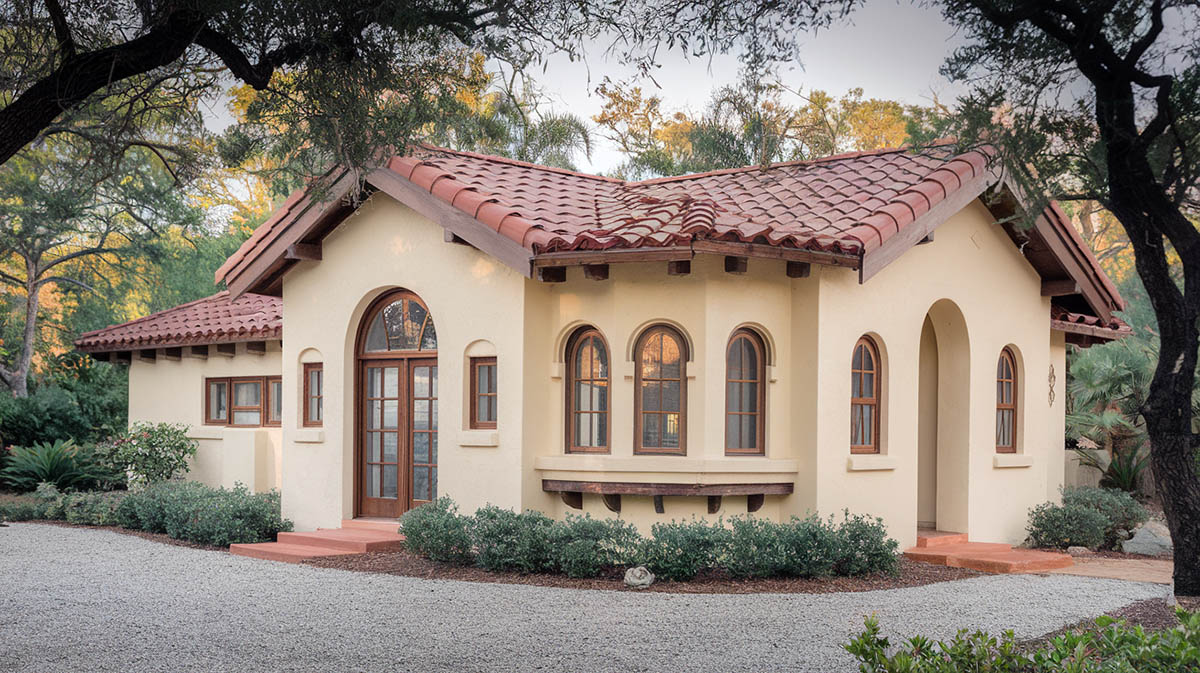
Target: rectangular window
point(216, 401)
point(483, 393)
point(314, 393)
point(247, 407)
point(274, 400)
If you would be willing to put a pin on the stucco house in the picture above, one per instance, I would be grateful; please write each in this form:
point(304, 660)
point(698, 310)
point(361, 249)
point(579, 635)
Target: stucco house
point(873, 331)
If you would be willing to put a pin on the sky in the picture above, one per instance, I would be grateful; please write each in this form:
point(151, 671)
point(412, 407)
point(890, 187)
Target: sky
point(890, 49)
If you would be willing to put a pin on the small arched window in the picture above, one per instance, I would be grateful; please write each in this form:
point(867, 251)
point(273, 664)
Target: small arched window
point(587, 393)
point(1006, 402)
point(660, 392)
point(865, 372)
point(745, 393)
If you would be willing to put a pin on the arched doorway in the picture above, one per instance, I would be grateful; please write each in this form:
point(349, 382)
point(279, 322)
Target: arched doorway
point(943, 428)
point(396, 407)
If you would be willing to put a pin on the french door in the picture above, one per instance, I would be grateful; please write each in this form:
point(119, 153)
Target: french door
point(398, 436)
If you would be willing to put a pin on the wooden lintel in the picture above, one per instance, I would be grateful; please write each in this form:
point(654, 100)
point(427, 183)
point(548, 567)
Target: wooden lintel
point(227, 350)
point(148, 355)
point(572, 499)
point(584, 257)
point(714, 504)
point(304, 251)
point(764, 251)
point(1059, 288)
point(658, 504)
point(595, 271)
point(451, 237)
point(799, 269)
point(175, 353)
point(754, 502)
point(736, 264)
point(612, 501)
point(679, 267)
point(256, 347)
point(198, 352)
point(552, 274)
point(690, 489)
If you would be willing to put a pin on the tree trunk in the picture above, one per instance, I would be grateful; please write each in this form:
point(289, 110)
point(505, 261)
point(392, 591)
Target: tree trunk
point(18, 377)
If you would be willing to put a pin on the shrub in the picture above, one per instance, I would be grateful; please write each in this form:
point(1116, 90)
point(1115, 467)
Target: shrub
point(1062, 526)
point(585, 547)
point(61, 463)
point(436, 530)
point(24, 508)
point(1109, 645)
point(90, 508)
point(1119, 507)
point(150, 452)
point(864, 547)
point(680, 551)
point(506, 540)
point(756, 548)
point(810, 547)
point(49, 414)
point(197, 513)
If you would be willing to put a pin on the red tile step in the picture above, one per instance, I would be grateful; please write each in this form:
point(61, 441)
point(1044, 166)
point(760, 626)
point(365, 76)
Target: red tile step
point(373, 523)
point(296, 547)
point(937, 538)
point(954, 551)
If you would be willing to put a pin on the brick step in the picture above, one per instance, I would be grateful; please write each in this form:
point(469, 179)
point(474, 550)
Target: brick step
point(989, 557)
point(359, 540)
point(373, 523)
point(937, 538)
point(286, 553)
point(943, 554)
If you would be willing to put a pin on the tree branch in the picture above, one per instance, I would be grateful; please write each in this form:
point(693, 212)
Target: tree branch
point(66, 43)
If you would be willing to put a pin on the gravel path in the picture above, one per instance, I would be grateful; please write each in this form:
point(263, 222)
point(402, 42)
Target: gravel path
point(76, 599)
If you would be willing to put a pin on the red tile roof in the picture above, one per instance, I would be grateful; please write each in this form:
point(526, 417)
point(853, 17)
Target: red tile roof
point(212, 320)
point(1088, 325)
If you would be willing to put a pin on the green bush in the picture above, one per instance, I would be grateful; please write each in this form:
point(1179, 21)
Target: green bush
point(150, 452)
point(506, 540)
point(61, 463)
point(812, 547)
point(89, 508)
point(436, 530)
point(680, 551)
point(756, 548)
point(1108, 646)
point(197, 513)
point(1119, 507)
point(585, 547)
point(864, 547)
point(47, 415)
point(1062, 526)
point(23, 509)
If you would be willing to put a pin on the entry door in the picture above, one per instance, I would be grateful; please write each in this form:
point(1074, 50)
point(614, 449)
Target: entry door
point(398, 446)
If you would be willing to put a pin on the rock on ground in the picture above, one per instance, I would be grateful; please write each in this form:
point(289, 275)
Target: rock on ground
point(1151, 538)
point(85, 600)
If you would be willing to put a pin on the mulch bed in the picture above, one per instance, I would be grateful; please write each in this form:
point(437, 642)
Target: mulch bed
point(1152, 615)
point(912, 574)
point(153, 537)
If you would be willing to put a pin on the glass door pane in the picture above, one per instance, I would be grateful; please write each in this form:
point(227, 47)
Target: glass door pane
point(424, 432)
point(382, 427)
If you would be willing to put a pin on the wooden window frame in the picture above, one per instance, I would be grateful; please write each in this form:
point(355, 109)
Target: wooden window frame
point(208, 417)
point(1007, 354)
point(874, 401)
point(269, 401)
point(476, 363)
point(261, 408)
point(573, 345)
point(760, 434)
point(638, 449)
point(307, 420)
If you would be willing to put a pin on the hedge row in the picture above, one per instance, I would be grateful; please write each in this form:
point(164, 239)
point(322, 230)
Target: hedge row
point(530, 542)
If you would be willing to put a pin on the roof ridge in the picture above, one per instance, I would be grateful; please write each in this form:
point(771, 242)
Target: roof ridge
point(517, 162)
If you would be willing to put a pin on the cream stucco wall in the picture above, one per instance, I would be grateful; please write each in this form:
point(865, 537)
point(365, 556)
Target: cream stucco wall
point(172, 391)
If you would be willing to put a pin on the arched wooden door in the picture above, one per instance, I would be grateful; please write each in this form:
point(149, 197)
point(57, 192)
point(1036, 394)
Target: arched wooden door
point(396, 405)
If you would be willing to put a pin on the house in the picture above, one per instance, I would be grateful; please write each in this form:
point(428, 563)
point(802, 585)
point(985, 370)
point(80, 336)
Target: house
point(873, 331)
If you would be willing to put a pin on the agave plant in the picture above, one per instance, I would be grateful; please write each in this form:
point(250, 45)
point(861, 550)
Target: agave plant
point(61, 463)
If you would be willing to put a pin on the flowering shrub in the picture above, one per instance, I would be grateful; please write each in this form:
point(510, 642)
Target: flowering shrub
point(150, 452)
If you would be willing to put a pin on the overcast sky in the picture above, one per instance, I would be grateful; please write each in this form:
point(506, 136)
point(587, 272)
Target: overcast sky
point(890, 49)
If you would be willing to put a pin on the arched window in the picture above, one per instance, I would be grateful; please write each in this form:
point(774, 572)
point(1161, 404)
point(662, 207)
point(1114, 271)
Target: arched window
point(587, 392)
point(660, 392)
point(745, 393)
point(1006, 403)
point(865, 372)
point(401, 325)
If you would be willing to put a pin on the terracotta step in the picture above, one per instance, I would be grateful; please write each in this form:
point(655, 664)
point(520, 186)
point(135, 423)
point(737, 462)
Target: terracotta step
point(359, 540)
point(287, 553)
point(947, 554)
point(937, 538)
point(373, 523)
point(1017, 561)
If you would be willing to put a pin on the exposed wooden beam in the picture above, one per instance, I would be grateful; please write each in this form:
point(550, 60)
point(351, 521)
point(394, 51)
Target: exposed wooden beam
point(227, 350)
point(148, 355)
point(764, 251)
point(1059, 288)
point(928, 239)
point(175, 354)
point(736, 264)
point(304, 251)
point(595, 271)
point(754, 502)
point(658, 504)
point(714, 504)
point(552, 274)
point(450, 237)
point(612, 501)
point(799, 269)
point(582, 257)
point(198, 352)
point(688, 489)
point(572, 499)
point(680, 267)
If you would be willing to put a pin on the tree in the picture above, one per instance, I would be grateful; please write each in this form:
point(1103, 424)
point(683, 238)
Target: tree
point(1101, 102)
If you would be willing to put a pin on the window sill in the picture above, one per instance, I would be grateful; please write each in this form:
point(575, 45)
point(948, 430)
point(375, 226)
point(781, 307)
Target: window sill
point(479, 438)
point(308, 436)
point(1002, 461)
point(666, 469)
point(205, 432)
point(871, 462)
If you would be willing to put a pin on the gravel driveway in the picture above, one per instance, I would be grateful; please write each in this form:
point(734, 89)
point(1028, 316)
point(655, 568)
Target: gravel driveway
point(75, 599)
